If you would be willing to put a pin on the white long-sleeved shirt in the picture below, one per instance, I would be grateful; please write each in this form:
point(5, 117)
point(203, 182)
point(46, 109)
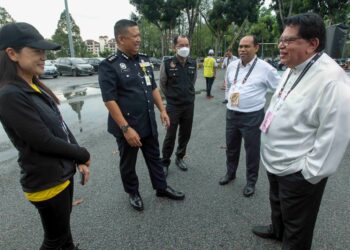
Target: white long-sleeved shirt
point(252, 93)
point(311, 130)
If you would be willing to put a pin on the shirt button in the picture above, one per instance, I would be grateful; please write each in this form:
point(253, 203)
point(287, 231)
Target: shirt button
point(146, 91)
point(147, 101)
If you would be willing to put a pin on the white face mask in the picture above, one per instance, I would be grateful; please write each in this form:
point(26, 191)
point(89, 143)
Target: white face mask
point(183, 52)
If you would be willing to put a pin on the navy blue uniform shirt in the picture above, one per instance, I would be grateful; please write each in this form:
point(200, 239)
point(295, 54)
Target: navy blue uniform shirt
point(123, 79)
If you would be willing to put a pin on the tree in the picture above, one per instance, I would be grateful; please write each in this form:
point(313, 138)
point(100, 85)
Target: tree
point(266, 30)
point(227, 12)
point(106, 52)
point(61, 37)
point(5, 17)
point(162, 13)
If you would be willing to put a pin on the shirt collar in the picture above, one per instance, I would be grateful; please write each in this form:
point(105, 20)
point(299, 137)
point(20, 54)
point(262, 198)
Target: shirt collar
point(299, 68)
point(248, 64)
point(124, 55)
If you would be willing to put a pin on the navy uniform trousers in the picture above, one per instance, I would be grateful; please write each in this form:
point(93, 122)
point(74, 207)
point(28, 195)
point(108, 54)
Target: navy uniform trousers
point(182, 117)
point(243, 125)
point(128, 157)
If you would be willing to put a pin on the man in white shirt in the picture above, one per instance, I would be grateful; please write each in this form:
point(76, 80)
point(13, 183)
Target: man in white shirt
point(305, 131)
point(250, 78)
point(229, 57)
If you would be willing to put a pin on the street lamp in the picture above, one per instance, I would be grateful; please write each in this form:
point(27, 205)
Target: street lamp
point(69, 27)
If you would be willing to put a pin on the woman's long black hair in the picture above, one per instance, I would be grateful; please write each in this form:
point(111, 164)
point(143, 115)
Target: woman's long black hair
point(9, 74)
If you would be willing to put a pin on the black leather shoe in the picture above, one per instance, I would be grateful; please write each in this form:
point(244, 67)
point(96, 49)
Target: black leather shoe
point(265, 232)
point(181, 164)
point(135, 201)
point(226, 179)
point(248, 190)
point(165, 169)
point(170, 193)
point(224, 101)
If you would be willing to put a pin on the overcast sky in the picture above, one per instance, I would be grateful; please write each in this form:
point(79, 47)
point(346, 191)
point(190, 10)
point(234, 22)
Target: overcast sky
point(94, 18)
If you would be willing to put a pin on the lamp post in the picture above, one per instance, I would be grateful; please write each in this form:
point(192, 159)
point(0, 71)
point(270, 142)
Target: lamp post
point(69, 27)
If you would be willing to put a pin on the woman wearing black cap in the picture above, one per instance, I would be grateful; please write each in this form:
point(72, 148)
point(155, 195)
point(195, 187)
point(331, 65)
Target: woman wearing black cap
point(48, 152)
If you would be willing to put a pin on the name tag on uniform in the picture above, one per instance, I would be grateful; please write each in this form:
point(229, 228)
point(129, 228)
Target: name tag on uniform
point(145, 64)
point(148, 80)
point(267, 121)
point(235, 99)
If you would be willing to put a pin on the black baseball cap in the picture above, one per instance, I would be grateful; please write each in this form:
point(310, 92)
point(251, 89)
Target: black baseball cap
point(24, 35)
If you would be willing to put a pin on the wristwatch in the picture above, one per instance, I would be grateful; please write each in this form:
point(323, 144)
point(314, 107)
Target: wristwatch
point(124, 128)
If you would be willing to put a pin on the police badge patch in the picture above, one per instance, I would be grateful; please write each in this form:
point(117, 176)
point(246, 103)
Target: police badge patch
point(122, 66)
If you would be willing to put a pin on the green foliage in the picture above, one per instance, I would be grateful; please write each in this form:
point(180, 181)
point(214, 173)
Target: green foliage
point(266, 30)
point(107, 52)
point(61, 37)
point(5, 17)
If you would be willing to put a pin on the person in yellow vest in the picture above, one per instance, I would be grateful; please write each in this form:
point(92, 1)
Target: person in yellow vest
point(209, 71)
point(48, 153)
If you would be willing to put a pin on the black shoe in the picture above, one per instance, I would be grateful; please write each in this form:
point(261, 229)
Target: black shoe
point(135, 201)
point(165, 169)
point(265, 232)
point(181, 164)
point(170, 193)
point(225, 101)
point(226, 179)
point(248, 190)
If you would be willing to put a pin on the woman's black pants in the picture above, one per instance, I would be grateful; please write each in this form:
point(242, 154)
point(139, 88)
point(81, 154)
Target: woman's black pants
point(55, 218)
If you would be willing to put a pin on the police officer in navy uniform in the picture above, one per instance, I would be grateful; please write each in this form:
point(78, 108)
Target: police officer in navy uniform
point(129, 92)
point(177, 78)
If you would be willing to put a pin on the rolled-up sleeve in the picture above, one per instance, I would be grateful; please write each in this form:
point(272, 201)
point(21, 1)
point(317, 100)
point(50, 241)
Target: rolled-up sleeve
point(108, 80)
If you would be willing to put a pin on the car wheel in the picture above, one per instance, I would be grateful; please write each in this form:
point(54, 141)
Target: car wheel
point(74, 73)
point(54, 76)
point(60, 73)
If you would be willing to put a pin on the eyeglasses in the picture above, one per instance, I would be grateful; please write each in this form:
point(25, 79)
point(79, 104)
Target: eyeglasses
point(287, 40)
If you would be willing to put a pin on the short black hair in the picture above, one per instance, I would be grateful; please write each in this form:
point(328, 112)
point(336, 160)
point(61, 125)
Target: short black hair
point(177, 37)
point(255, 40)
point(310, 25)
point(121, 26)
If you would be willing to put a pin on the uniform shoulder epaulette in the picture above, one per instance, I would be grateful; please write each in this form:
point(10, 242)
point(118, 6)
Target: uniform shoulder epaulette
point(112, 58)
point(143, 54)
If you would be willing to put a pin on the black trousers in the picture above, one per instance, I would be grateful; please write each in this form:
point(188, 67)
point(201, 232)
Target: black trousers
point(209, 81)
point(182, 117)
point(128, 156)
point(243, 125)
point(55, 218)
point(294, 207)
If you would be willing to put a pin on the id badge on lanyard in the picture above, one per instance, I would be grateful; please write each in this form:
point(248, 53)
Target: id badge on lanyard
point(270, 114)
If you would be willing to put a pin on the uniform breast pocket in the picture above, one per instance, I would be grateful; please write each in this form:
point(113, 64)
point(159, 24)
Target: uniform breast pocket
point(173, 74)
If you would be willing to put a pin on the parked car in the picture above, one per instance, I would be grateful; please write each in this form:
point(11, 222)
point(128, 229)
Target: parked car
point(155, 63)
point(50, 70)
point(95, 62)
point(166, 57)
point(343, 62)
point(73, 66)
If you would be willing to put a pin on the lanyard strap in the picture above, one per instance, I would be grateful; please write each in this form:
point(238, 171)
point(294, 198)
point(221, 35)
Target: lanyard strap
point(247, 75)
point(305, 70)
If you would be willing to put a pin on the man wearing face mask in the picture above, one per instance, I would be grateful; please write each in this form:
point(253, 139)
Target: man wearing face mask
point(177, 78)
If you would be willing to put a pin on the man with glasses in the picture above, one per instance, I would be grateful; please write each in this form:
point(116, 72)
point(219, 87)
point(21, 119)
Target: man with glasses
point(177, 78)
point(129, 92)
point(305, 131)
point(249, 79)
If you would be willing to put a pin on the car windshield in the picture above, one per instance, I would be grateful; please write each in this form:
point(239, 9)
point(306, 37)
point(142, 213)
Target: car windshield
point(78, 61)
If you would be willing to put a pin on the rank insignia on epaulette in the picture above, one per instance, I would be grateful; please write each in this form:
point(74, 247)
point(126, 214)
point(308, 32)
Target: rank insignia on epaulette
point(111, 58)
point(143, 54)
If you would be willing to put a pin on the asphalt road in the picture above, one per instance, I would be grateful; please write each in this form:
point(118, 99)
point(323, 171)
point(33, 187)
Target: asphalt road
point(211, 216)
